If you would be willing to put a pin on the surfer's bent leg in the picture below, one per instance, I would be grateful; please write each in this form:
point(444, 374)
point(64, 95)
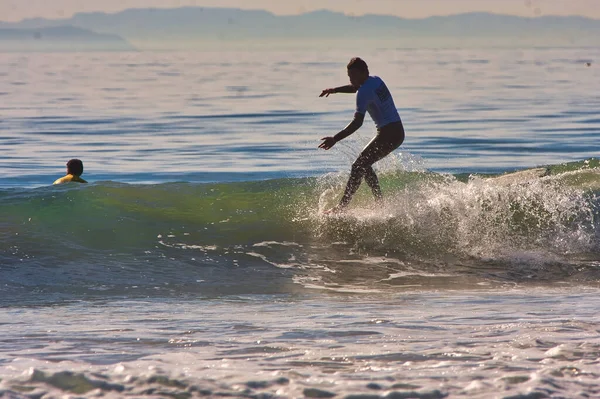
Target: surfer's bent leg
point(373, 183)
point(387, 140)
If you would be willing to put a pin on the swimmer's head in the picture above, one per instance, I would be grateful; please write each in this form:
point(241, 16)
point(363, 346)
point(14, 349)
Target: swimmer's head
point(75, 167)
point(358, 71)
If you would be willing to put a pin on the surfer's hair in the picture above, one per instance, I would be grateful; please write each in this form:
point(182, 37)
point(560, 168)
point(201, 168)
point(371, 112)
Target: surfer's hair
point(358, 63)
point(75, 167)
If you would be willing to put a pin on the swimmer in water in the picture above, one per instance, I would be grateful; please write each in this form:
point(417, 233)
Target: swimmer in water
point(74, 171)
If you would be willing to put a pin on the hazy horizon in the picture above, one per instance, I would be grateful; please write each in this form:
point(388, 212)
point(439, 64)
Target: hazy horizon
point(16, 10)
point(193, 28)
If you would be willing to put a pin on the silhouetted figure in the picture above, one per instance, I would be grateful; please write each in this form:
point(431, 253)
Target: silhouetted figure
point(373, 96)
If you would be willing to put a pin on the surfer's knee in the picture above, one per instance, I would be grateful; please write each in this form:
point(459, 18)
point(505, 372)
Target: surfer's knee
point(359, 167)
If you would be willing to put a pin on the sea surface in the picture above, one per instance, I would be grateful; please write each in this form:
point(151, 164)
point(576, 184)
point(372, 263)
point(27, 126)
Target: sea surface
point(197, 264)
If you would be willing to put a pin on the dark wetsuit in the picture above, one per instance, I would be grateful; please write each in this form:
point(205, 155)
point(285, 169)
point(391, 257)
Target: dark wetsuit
point(387, 140)
point(374, 97)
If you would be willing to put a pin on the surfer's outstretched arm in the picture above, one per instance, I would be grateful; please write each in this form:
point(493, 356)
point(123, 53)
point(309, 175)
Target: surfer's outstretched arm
point(352, 127)
point(342, 89)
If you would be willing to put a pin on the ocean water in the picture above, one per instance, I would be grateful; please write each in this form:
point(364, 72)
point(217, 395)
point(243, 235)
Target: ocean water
point(196, 263)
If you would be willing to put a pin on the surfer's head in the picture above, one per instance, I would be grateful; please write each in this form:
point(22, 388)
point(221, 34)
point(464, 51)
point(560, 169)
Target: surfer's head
point(75, 167)
point(358, 71)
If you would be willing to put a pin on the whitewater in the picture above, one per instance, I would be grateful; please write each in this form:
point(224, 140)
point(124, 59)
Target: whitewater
point(197, 263)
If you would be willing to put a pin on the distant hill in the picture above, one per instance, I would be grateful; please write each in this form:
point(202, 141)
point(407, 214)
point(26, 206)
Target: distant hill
point(189, 24)
point(59, 38)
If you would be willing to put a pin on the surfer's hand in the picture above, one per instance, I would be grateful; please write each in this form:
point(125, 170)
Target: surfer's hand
point(327, 143)
point(327, 92)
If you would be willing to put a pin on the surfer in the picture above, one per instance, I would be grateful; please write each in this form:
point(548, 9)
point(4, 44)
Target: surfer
point(74, 171)
point(372, 95)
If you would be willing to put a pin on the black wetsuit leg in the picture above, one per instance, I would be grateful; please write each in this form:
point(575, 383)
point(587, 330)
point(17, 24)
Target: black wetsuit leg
point(387, 140)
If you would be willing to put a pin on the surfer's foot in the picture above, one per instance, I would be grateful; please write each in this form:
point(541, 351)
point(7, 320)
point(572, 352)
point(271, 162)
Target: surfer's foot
point(335, 210)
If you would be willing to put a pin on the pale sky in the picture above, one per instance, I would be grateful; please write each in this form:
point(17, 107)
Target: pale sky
point(15, 10)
